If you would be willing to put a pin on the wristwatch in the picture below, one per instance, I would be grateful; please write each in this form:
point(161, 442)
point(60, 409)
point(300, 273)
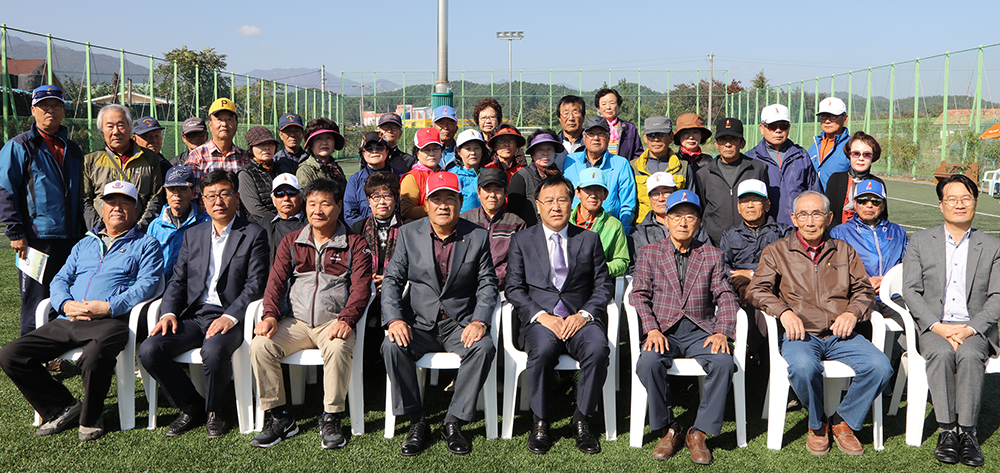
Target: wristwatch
point(587, 316)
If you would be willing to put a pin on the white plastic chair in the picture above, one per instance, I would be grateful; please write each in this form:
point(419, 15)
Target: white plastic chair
point(516, 364)
point(451, 361)
point(836, 378)
point(124, 367)
point(990, 181)
point(686, 367)
point(242, 375)
point(892, 284)
point(300, 360)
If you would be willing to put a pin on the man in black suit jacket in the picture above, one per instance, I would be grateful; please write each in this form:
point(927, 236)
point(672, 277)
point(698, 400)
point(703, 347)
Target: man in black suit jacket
point(562, 309)
point(222, 267)
point(453, 291)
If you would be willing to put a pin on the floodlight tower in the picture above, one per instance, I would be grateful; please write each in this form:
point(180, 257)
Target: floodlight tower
point(442, 88)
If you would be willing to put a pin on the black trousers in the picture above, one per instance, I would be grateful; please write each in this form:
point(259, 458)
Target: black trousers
point(589, 346)
point(32, 292)
point(102, 340)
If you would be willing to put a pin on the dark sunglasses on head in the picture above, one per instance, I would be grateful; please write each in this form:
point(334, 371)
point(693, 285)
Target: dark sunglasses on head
point(783, 126)
point(286, 192)
point(865, 200)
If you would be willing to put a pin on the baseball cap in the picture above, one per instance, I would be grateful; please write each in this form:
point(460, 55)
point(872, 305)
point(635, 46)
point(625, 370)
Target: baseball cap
point(46, 92)
point(372, 137)
point(591, 177)
point(390, 118)
point(193, 125)
point(489, 176)
point(220, 105)
point(728, 127)
point(285, 179)
point(426, 136)
point(545, 138)
point(752, 186)
point(595, 121)
point(660, 179)
point(833, 106)
point(658, 124)
point(773, 113)
point(467, 136)
point(442, 181)
point(444, 111)
point(683, 197)
point(145, 125)
point(121, 187)
point(179, 176)
point(290, 119)
point(259, 135)
point(870, 186)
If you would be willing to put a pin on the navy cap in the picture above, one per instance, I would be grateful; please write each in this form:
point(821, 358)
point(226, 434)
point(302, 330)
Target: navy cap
point(46, 92)
point(179, 176)
point(683, 197)
point(193, 125)
point(390, 118)
point(596, 121)
point(290, 119)
point(145, 125)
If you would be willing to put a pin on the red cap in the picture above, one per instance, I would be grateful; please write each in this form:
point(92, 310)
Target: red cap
point(426, 136)
point(443, 180)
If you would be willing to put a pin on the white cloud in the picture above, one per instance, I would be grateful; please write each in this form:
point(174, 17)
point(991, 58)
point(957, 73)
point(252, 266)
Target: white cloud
point(263, 46)
point(247, 30)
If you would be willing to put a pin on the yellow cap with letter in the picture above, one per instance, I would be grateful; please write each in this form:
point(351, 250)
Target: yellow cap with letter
point(222, 104)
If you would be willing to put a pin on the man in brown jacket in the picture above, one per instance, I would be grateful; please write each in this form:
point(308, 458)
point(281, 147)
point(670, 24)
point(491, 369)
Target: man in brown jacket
point(818, 288)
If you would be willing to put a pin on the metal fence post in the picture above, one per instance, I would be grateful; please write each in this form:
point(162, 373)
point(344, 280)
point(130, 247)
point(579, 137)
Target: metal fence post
point(177, 118)
point(868, 103)
point(638, 108)
point(802, 108)
point(197, 90)
point(944, 113)
point(816, 108)
point(550, 99)
point(152, 90)
point(90, 98)
point(892, 115)
point(6, 81)
point(48, 58)
point(215, 85)
point(121, 75)
point(916, 114)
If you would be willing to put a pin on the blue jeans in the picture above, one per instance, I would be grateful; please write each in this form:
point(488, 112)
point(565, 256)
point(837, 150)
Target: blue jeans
point(805, 373)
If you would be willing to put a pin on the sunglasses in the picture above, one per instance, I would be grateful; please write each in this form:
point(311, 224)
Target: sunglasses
point(374, 148)
point(285, 193)
point(657, 136)
point(865, 200)
point(783, 126)
point(858, 154)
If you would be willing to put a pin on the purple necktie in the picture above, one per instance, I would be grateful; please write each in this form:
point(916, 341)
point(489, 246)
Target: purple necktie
point(560, 270)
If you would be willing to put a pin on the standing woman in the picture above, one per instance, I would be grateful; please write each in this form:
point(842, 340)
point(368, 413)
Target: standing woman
point(488, 116)
point(470, 149)
point(374, 152)
point(322, 139)
point(624, 135)
point(862, 150)
point(543, 146)
point(427, 148)
point(506, 144)
point(256, 177)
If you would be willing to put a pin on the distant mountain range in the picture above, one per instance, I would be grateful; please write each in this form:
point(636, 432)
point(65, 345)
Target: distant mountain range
point(71, 62)
point(307, 77)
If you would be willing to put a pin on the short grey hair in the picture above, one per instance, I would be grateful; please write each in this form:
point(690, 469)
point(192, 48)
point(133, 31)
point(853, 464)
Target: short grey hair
point(119, 108)
point(826, 201)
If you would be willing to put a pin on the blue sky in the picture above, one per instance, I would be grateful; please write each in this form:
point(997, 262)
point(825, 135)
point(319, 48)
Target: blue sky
point(790, 40)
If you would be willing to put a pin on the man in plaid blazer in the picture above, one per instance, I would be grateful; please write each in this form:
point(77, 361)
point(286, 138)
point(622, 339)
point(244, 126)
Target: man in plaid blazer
point(677, 286)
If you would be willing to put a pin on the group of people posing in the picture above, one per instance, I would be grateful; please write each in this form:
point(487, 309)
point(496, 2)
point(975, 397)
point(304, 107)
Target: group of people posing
point(424, 243)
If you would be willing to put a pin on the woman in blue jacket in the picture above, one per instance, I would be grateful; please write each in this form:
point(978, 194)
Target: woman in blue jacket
point(878, 242)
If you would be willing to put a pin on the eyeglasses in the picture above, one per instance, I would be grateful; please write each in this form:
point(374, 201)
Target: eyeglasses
point(487, 117)
point(828, 117)
point(782, 126)
point(657, 136)
point(381, 197)
point(965, 200)
point(575, 113)
point(506, 141)
point(597, 134)
point(859, 154)
point(211, 198)
point(814, 215)
point(751, 200)
point(285, 193)
point(374, 148)
point(869, 200)
point(551, 202)
point(678, 218)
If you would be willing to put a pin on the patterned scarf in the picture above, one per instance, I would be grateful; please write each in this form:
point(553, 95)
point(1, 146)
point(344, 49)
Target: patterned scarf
point(551, 170)
point(334, 169)
point(380, 236)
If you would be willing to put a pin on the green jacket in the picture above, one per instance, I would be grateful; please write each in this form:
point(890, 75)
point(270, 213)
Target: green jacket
point(144, 170)
point(612, 235)
point(311, 169)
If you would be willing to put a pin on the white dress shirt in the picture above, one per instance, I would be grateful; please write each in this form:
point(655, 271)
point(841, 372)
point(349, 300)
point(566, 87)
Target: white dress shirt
point(956, 262)
point(218, 245)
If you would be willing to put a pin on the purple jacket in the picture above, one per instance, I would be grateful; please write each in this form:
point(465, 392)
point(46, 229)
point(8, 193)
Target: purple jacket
point(630, 145)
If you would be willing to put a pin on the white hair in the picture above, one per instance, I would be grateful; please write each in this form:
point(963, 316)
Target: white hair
point(120, 108)
point(826, 201)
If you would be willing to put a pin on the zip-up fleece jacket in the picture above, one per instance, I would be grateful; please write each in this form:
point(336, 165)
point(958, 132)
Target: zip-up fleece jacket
point(171, 237)
point(329, 282)
point(124, 275)
point(795, 175)
point(719, 200)
point(143, 169)
point(835, 159)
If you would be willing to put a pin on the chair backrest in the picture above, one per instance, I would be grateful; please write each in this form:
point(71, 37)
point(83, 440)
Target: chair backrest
point(892, 284)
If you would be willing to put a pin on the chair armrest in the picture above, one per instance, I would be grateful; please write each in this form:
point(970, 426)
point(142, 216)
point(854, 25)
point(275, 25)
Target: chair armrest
point(507, 326)
point(878, 330)
point(41, 312)
point(740, 347)
point(255, 310)
point(632, 319)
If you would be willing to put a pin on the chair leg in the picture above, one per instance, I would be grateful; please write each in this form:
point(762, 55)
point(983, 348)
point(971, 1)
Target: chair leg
point(489, 396)
point(610, 407)
point(740, 403)
point(833, 388)
point(149, 385)
point(297, 380)
point(355, 397)
point(243, 379)
point(897, 391)
point(198, 378)
point(525, 394)
point(777, 394)
point(510, 379)
point(637, 417)
point(390, 418)
point(916, 401)
point(125, 380)
point(878, 426)
point(767, 398)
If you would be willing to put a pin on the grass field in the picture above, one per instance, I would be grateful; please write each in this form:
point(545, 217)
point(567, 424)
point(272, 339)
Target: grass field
point(913, 204)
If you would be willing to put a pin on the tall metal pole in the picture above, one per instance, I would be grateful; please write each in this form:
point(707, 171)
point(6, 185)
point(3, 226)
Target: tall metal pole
point(442, 88)
point(711, 79)
point(322, 82)
point(510, 74)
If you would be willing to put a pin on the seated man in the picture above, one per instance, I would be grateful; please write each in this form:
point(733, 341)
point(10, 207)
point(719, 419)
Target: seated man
point(110, 271)
point(950, 287)
point(817, 287)
point(492, 216)
point(327, 301)
point(588, 215)
point(678, 284)
point(453, 291)
point(286, 195)
point(560, 314)
point(221, 268)
point(179, 215)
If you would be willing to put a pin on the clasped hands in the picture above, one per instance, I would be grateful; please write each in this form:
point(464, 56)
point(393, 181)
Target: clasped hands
point(842, 327)
point(86, 310)
point(954, 333)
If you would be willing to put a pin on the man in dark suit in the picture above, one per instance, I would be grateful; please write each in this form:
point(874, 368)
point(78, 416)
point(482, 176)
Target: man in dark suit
point(559, 285)
point(222, 267)
point(678, 284)
point(453, 291)
point(951, 285)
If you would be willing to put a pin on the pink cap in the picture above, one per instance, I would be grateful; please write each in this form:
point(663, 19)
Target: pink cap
point(426, 136)
point(443, 180)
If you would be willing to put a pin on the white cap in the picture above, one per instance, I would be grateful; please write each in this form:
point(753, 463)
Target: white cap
point(660, 179)
point(285, 179)
point(774, 113)
point(833, 106)
point(752, 186)
point(467, 136)
point(121, 187)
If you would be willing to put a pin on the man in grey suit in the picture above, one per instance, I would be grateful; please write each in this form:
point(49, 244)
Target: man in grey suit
point(453, 291)
point(951, 286)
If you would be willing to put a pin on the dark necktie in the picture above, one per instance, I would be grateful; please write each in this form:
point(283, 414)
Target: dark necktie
point(560, 270)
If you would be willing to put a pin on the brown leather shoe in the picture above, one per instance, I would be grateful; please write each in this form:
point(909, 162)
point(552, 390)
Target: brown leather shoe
point(846, 441)
point(818, 441)
point(700, 453)
point(668, 445)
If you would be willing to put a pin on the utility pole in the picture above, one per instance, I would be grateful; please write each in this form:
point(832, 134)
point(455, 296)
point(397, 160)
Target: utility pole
point(361, 105)
point(711, 81)
point(322, 85)
point(442, 88)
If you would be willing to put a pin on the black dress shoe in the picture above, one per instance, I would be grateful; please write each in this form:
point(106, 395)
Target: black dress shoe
point(969, 452)
point(539, 442)
point(216, 425)
point(185, 422)
point(452, 434)
point(585, 441)
point(416, 439)
point(947, 447)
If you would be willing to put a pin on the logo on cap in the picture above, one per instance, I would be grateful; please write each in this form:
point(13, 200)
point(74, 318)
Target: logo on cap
point(869, 186)
point(684, 196)
point(117, 185)
point(727, 123)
